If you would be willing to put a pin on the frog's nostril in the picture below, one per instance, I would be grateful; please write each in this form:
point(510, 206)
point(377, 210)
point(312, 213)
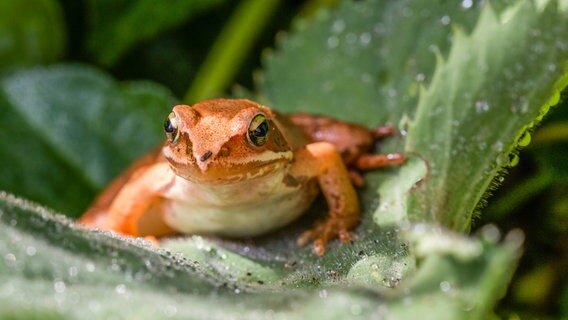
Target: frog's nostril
point(206, 156)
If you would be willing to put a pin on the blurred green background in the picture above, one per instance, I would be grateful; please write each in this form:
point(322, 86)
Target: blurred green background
point(189, 44)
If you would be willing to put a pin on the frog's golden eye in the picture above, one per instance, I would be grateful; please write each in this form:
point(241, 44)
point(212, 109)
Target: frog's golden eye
point(258, 130)
point(171, 127)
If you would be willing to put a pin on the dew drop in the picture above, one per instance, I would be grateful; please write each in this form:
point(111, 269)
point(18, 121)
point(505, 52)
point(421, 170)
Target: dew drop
point(497, 146)
point(513, 160)
point(490, 233)
point(332, 42)
point(31, 251)
point(445, 20)
point(420, 77)
point(73, 271)
point(365, 38)
point(481, 106)
point(90, 267)
point(445, 286)
point(120, 289)
point(10, 259)
point(467, 4)
point(338, 26)
point(404, 125)
point(59, 286)
point(524, 140)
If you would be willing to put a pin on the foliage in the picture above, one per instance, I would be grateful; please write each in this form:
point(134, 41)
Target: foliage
point(464, 82)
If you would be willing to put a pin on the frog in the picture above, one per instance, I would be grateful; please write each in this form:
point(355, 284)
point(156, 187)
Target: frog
point(238, 169)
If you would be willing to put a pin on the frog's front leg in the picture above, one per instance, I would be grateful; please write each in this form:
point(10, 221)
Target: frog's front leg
point(322, 159)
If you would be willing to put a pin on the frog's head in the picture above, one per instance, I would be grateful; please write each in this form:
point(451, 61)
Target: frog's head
point(224, 140)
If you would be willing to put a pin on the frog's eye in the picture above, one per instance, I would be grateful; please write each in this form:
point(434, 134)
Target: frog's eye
point(171, 127)
point(258, 130)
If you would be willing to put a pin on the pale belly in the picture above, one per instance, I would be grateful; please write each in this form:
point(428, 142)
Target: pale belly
point(239, 210)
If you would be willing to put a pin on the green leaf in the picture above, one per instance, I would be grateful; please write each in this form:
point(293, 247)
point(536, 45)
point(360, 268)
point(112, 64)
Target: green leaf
point(31, 32)
point(52, 268)
point(487, 93)
point(368, 56)
point(116, 26)
point(67, 130)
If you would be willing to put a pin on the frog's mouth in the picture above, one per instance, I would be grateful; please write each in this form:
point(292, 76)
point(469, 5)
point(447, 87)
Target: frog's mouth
point(211, 168)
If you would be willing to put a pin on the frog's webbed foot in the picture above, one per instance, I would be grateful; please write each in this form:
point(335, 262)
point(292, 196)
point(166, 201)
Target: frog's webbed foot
point(325, 231)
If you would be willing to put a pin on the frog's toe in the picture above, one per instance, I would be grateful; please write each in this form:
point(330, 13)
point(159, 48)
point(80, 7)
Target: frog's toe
point(310, 235)
point(322, 233)
point(375, 161)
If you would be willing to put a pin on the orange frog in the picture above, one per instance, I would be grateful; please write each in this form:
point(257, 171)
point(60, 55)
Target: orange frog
point(236, 168)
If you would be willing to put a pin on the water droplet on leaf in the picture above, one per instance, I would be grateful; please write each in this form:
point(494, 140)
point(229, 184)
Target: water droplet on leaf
point(481, 106)
point(467, 4)
point(445, 286)
point(513, 160)
point(338, 26)
point(120, 289)
point(365, 38)
point(31, 251)
point(59, 286)
point(332, 42)
point(524, 140)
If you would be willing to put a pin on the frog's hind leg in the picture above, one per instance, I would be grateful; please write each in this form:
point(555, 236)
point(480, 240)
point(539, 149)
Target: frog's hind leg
point(136, 206)
point(354, 142)
point(96, 215)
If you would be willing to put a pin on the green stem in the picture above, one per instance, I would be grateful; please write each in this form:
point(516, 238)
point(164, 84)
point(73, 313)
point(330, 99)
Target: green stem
point(231, 48)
